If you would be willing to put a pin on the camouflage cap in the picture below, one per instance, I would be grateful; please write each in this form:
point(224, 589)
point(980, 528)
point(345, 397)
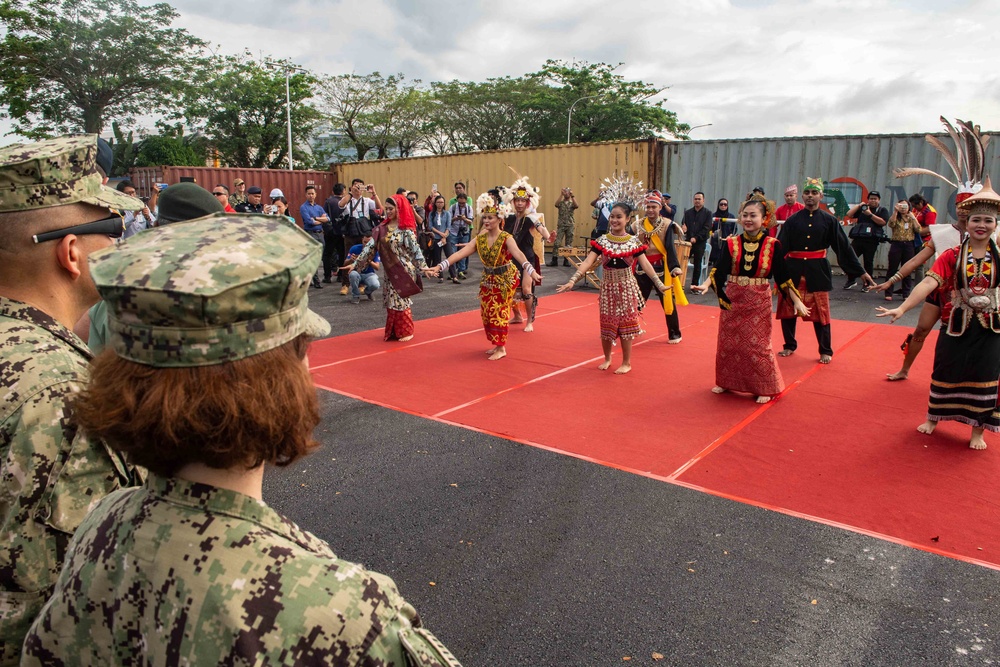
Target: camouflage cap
point(208, 291)
point(56, 172)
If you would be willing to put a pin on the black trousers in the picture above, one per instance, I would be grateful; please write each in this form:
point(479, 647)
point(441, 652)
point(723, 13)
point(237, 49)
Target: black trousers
point(697, 254)
point(333, 243)
point(865, 249)
point(822, 335)
point(900, 252)
point(646, 287)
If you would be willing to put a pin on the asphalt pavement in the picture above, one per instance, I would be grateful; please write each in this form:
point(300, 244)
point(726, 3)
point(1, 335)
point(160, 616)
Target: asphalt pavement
point(515, 555)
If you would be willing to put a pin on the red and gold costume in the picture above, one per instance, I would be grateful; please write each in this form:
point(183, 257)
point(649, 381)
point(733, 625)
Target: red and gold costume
point(744, 359)
point(496, 287)
point(620, 295)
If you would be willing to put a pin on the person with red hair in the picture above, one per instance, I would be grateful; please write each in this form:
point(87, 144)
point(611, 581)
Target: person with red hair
point(396, 242)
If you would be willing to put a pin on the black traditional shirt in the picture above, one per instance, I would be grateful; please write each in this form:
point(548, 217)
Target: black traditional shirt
point(811, 231)
point(521, 231)
point(750, 256)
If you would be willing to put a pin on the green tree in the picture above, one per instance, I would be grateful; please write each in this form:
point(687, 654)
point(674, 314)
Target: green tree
point(492, 115)
point(72, 65)
point(159, 150)
point(618, 108)
point(238, 103)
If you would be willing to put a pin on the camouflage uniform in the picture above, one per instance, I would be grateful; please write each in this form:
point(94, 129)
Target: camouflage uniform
point(50, 475)
point(179, 572)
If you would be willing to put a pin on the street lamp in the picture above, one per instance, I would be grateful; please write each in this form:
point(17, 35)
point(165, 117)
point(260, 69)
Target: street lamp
point(288, 102)
point(697, 126)
point(569, 123)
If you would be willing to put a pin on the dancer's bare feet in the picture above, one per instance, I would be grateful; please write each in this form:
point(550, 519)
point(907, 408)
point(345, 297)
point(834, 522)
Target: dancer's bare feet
point(491, 351)
point(786, 353)
point(718, 390)
point(500, 353)
point(898, 375)
point(825, 358)
point(406, 338)
point(927, 427)
point(623, 369)
point(605, 365)
point(764, 399)
point(977, 441)
point(529, 328)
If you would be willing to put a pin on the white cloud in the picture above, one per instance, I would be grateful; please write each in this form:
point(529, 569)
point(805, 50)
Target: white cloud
point(751, 68)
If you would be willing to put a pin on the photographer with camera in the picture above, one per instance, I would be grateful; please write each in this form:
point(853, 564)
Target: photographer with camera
point(137, 221)
point(869, 222)
point(363, 206)
point(566, 226)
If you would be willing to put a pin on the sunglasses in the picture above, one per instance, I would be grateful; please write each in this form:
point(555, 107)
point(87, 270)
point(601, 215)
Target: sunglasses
point(113, 226)
point(219, 194)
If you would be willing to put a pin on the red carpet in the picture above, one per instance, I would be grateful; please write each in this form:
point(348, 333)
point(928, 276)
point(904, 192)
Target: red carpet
point(840, 445)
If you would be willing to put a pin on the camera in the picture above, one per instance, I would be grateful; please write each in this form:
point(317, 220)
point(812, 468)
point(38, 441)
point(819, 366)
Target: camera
point(864, 208)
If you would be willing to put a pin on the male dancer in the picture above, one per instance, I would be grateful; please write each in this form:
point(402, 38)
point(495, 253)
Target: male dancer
point(659, 234)
point(805, 237)
point(519, 225)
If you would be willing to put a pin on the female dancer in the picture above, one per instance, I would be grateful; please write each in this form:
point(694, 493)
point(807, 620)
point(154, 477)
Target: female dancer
point(618, 251)
point(967, 356)
point(744, 360)
point(499, 281)
point(396, 242)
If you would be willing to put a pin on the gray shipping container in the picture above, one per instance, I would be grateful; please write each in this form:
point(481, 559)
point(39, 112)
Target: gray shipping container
point(852, 165)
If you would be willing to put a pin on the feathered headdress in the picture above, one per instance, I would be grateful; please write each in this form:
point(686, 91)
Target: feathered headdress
point(487, 205)
point(520, 189)
point(623, 190)
point(967, 161)
point(985, 201)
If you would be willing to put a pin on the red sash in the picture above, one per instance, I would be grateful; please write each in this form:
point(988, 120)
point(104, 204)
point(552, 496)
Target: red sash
point(400, 278)
point(806, 254)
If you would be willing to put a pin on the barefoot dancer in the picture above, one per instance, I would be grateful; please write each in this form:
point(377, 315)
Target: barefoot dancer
point(806, 236)
point(968, 166)
point(967, 356)
point(619, 299)
point(396, 241)
point(744, 360)
point(521, 195)
point(499, 281)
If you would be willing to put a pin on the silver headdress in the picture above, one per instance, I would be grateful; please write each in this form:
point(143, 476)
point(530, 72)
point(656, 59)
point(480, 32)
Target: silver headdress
point(623, 190)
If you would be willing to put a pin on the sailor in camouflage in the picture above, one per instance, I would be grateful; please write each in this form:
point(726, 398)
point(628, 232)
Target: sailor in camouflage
point(194, 568)
point(54, 212)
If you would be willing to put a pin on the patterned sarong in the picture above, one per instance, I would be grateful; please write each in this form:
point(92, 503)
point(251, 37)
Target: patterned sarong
point(744, 360)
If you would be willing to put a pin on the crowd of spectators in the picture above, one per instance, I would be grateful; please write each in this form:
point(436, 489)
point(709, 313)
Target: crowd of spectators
point(445, 224)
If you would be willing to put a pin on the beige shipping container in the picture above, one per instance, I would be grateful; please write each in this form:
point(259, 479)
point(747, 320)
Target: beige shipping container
point(581, 167)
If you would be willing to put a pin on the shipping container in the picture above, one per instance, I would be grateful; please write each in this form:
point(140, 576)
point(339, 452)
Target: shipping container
point(291, 183)
point(581, 167)
point(853, 165)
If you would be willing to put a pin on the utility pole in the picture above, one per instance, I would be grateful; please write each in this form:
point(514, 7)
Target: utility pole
point(288, 101)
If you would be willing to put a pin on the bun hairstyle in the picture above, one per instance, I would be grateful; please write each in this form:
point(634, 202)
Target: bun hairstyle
point(625, 207)
point(767, 207)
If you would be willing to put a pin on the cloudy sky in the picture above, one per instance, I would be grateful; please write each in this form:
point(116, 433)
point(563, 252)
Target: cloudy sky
point(750, 68)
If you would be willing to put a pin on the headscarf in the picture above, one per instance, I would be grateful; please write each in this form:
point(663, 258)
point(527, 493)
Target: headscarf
point(719, 213)
point(404, 212)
